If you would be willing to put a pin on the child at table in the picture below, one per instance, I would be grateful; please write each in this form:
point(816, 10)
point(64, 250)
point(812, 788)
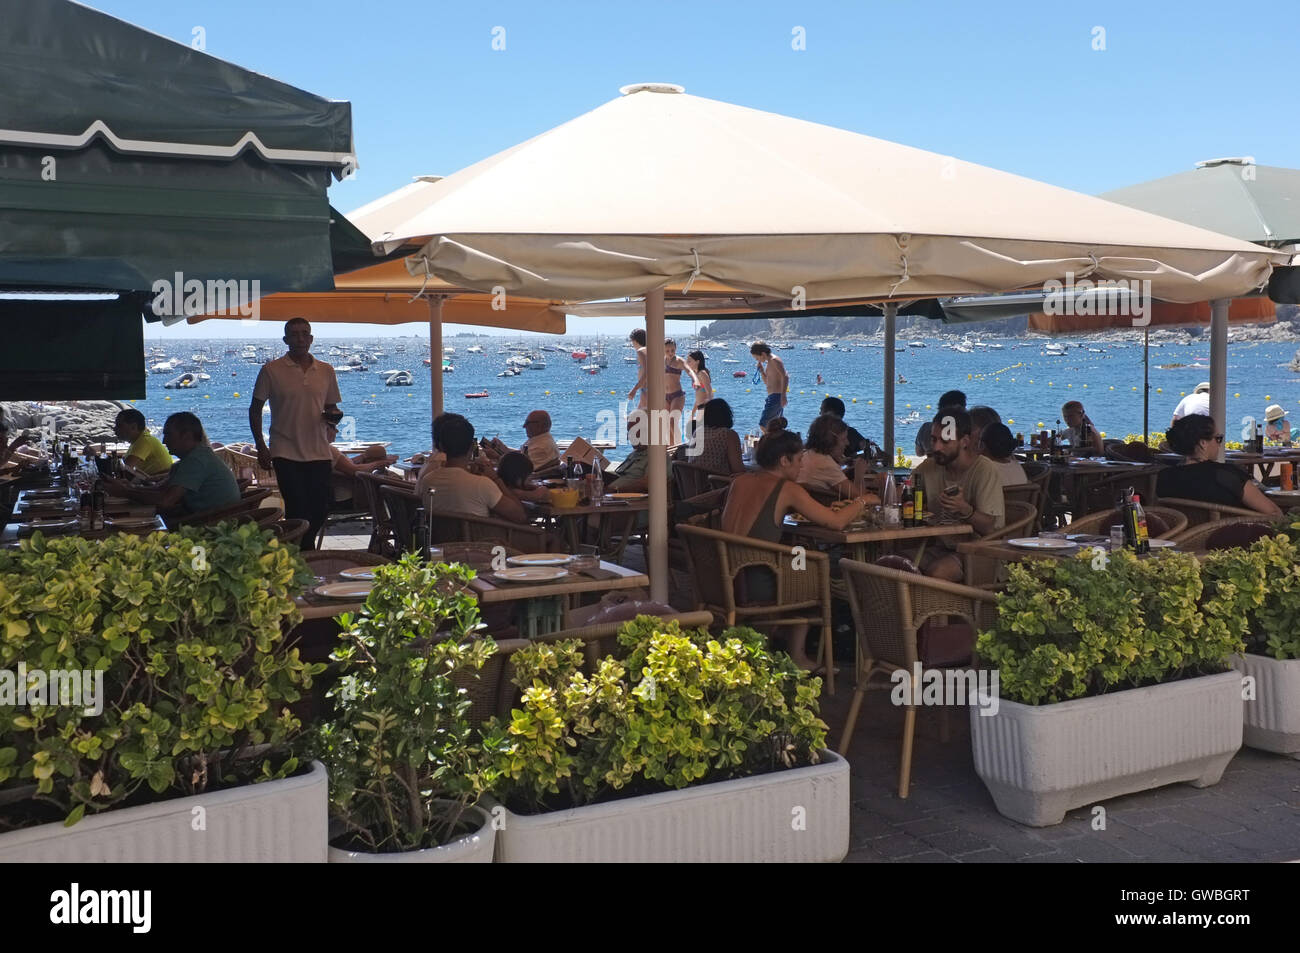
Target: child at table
point(516, 471)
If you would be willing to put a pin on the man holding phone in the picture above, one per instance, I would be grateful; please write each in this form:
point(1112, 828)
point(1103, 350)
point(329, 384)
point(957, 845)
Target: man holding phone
point(304, 395)
point(965, 486)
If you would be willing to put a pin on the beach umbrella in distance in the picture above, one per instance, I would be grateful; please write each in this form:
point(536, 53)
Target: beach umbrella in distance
point(658, 186)
point(1235, 196)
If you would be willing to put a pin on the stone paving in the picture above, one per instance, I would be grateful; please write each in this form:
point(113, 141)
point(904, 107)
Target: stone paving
point(1252, 814)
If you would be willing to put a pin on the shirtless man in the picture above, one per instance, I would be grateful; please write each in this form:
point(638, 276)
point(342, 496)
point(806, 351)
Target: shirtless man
point(674, 394)
point(772, 370)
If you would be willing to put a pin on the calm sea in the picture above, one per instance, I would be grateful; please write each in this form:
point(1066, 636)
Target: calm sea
point(1021, 380)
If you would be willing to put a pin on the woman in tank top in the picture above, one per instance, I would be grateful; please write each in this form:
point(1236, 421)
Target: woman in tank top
point(757, 504)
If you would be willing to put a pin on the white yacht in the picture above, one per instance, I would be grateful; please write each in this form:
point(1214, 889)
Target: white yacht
point(399, 379)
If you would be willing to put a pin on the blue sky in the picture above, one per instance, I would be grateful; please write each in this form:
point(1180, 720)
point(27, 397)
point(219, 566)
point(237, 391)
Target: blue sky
point(1017, 85)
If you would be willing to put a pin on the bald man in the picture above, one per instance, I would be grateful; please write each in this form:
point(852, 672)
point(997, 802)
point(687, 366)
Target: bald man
point(540, 445)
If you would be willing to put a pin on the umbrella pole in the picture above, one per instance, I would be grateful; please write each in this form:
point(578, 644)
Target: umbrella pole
point(435, 359)
point(657, 473)
point(1219, 365)
point(1146, 384)
point(891, 321)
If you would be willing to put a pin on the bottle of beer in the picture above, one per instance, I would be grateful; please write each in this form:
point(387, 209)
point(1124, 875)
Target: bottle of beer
point(909, 506)
point(1140, 526)
point(1130, 522)
point(918, 504)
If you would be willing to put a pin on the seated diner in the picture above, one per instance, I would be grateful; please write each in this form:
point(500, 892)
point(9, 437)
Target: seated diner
point(961, 486)
point(1202, 476)
point(198, 482)
point(757, 505)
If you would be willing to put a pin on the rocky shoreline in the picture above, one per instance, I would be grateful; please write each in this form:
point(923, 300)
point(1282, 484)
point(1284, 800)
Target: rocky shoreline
point(81, 421)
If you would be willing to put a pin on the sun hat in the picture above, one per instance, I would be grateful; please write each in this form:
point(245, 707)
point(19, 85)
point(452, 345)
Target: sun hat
point(1202, 388)
point(1274, 412)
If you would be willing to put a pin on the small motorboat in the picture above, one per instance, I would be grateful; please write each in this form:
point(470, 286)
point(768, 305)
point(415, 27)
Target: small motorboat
point(399, 379)
point(184, 382)
point(740, 373)
point(591, 368)
point(730, 360)
point(579, 355)
point(481, 393)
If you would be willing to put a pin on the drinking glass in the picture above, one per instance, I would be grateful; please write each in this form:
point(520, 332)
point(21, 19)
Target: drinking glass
point(587, 557)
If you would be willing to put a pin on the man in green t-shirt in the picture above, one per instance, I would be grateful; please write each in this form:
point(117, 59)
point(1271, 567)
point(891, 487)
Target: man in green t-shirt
point(974, 489)
point(147, 455)
point(200, 481)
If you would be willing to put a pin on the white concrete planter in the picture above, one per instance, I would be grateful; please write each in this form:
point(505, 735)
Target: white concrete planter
point(281, 821)
point(1039, 761)
point(1272, 719)
point(476, 848)
point(795, 816)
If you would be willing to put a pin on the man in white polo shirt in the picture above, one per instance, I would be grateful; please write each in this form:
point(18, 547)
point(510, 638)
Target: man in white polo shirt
point(302, 392)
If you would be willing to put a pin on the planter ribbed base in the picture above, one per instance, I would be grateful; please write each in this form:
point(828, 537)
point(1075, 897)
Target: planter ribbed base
point(283, 821)
point(476, 848)
point(1040, 761)
point(1272, 718)
point(800, 815)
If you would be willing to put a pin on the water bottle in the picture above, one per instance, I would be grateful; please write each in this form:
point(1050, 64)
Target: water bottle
point(577, 482)
point(597, 485)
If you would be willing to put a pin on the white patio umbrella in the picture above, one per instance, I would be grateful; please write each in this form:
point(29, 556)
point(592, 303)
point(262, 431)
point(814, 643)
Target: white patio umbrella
point(658, 187)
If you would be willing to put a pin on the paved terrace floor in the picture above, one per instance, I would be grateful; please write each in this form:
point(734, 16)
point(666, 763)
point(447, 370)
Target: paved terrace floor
point(1252, 814)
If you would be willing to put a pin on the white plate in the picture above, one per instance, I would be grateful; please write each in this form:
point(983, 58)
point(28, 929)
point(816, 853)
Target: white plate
point(531, 574)
point(31, 526)
point(130, 522)
point(1161, 543)
point(1034, 542)
point(358, 573)
point(540, 559)
point(344, 590)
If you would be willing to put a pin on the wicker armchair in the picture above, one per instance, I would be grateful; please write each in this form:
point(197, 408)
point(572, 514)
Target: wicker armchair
point(332, 562)
point(803, 596)
point(264, 516)
point(1226, 533)
point(892, 612)
point(447, 528)
point(1198, 511)
point(1162, 522)
point(381, 530)
point(1031, 493)
point(1040, 475)
point(291, 531)
point(1020, 517)
point(690, 479)
point(237, 511)
point(404, 515)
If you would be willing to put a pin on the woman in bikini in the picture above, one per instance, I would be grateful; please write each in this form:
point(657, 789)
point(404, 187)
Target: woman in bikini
point(756, 507)
point(674, 396)
point(702, 381)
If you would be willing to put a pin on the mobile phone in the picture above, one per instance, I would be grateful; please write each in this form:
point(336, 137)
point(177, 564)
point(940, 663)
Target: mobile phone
point(951, 490)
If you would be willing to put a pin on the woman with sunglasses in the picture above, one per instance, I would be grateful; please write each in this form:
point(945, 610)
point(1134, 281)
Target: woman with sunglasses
point(1202, 477)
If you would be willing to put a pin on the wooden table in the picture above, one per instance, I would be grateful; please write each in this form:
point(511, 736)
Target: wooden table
point(571, 521)
point(115, 507)
point(1079, 475)
point(865, 543)
point(1002, 551)
point(557, 595)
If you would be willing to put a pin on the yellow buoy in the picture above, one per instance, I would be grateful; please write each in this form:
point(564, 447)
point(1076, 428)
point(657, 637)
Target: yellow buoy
point(1159, 390)
point(611, 392)
point(1236, 395)
point(1010, 421)
point(236, 393)
point(1268, 396)
point(855, 400)
point(580, 392)
point(167, 397)
point(547, 393)
point(1040, 424)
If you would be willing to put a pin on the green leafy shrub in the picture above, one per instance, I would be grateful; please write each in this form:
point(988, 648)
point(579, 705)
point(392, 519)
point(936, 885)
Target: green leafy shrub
point(400, 737)
point(1266, 579)
point(672, 709)
point(187, 629)
point(1067, 630)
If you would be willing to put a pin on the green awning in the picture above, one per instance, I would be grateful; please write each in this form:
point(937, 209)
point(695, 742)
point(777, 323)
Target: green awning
point(126, 157)
point(72, 350)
